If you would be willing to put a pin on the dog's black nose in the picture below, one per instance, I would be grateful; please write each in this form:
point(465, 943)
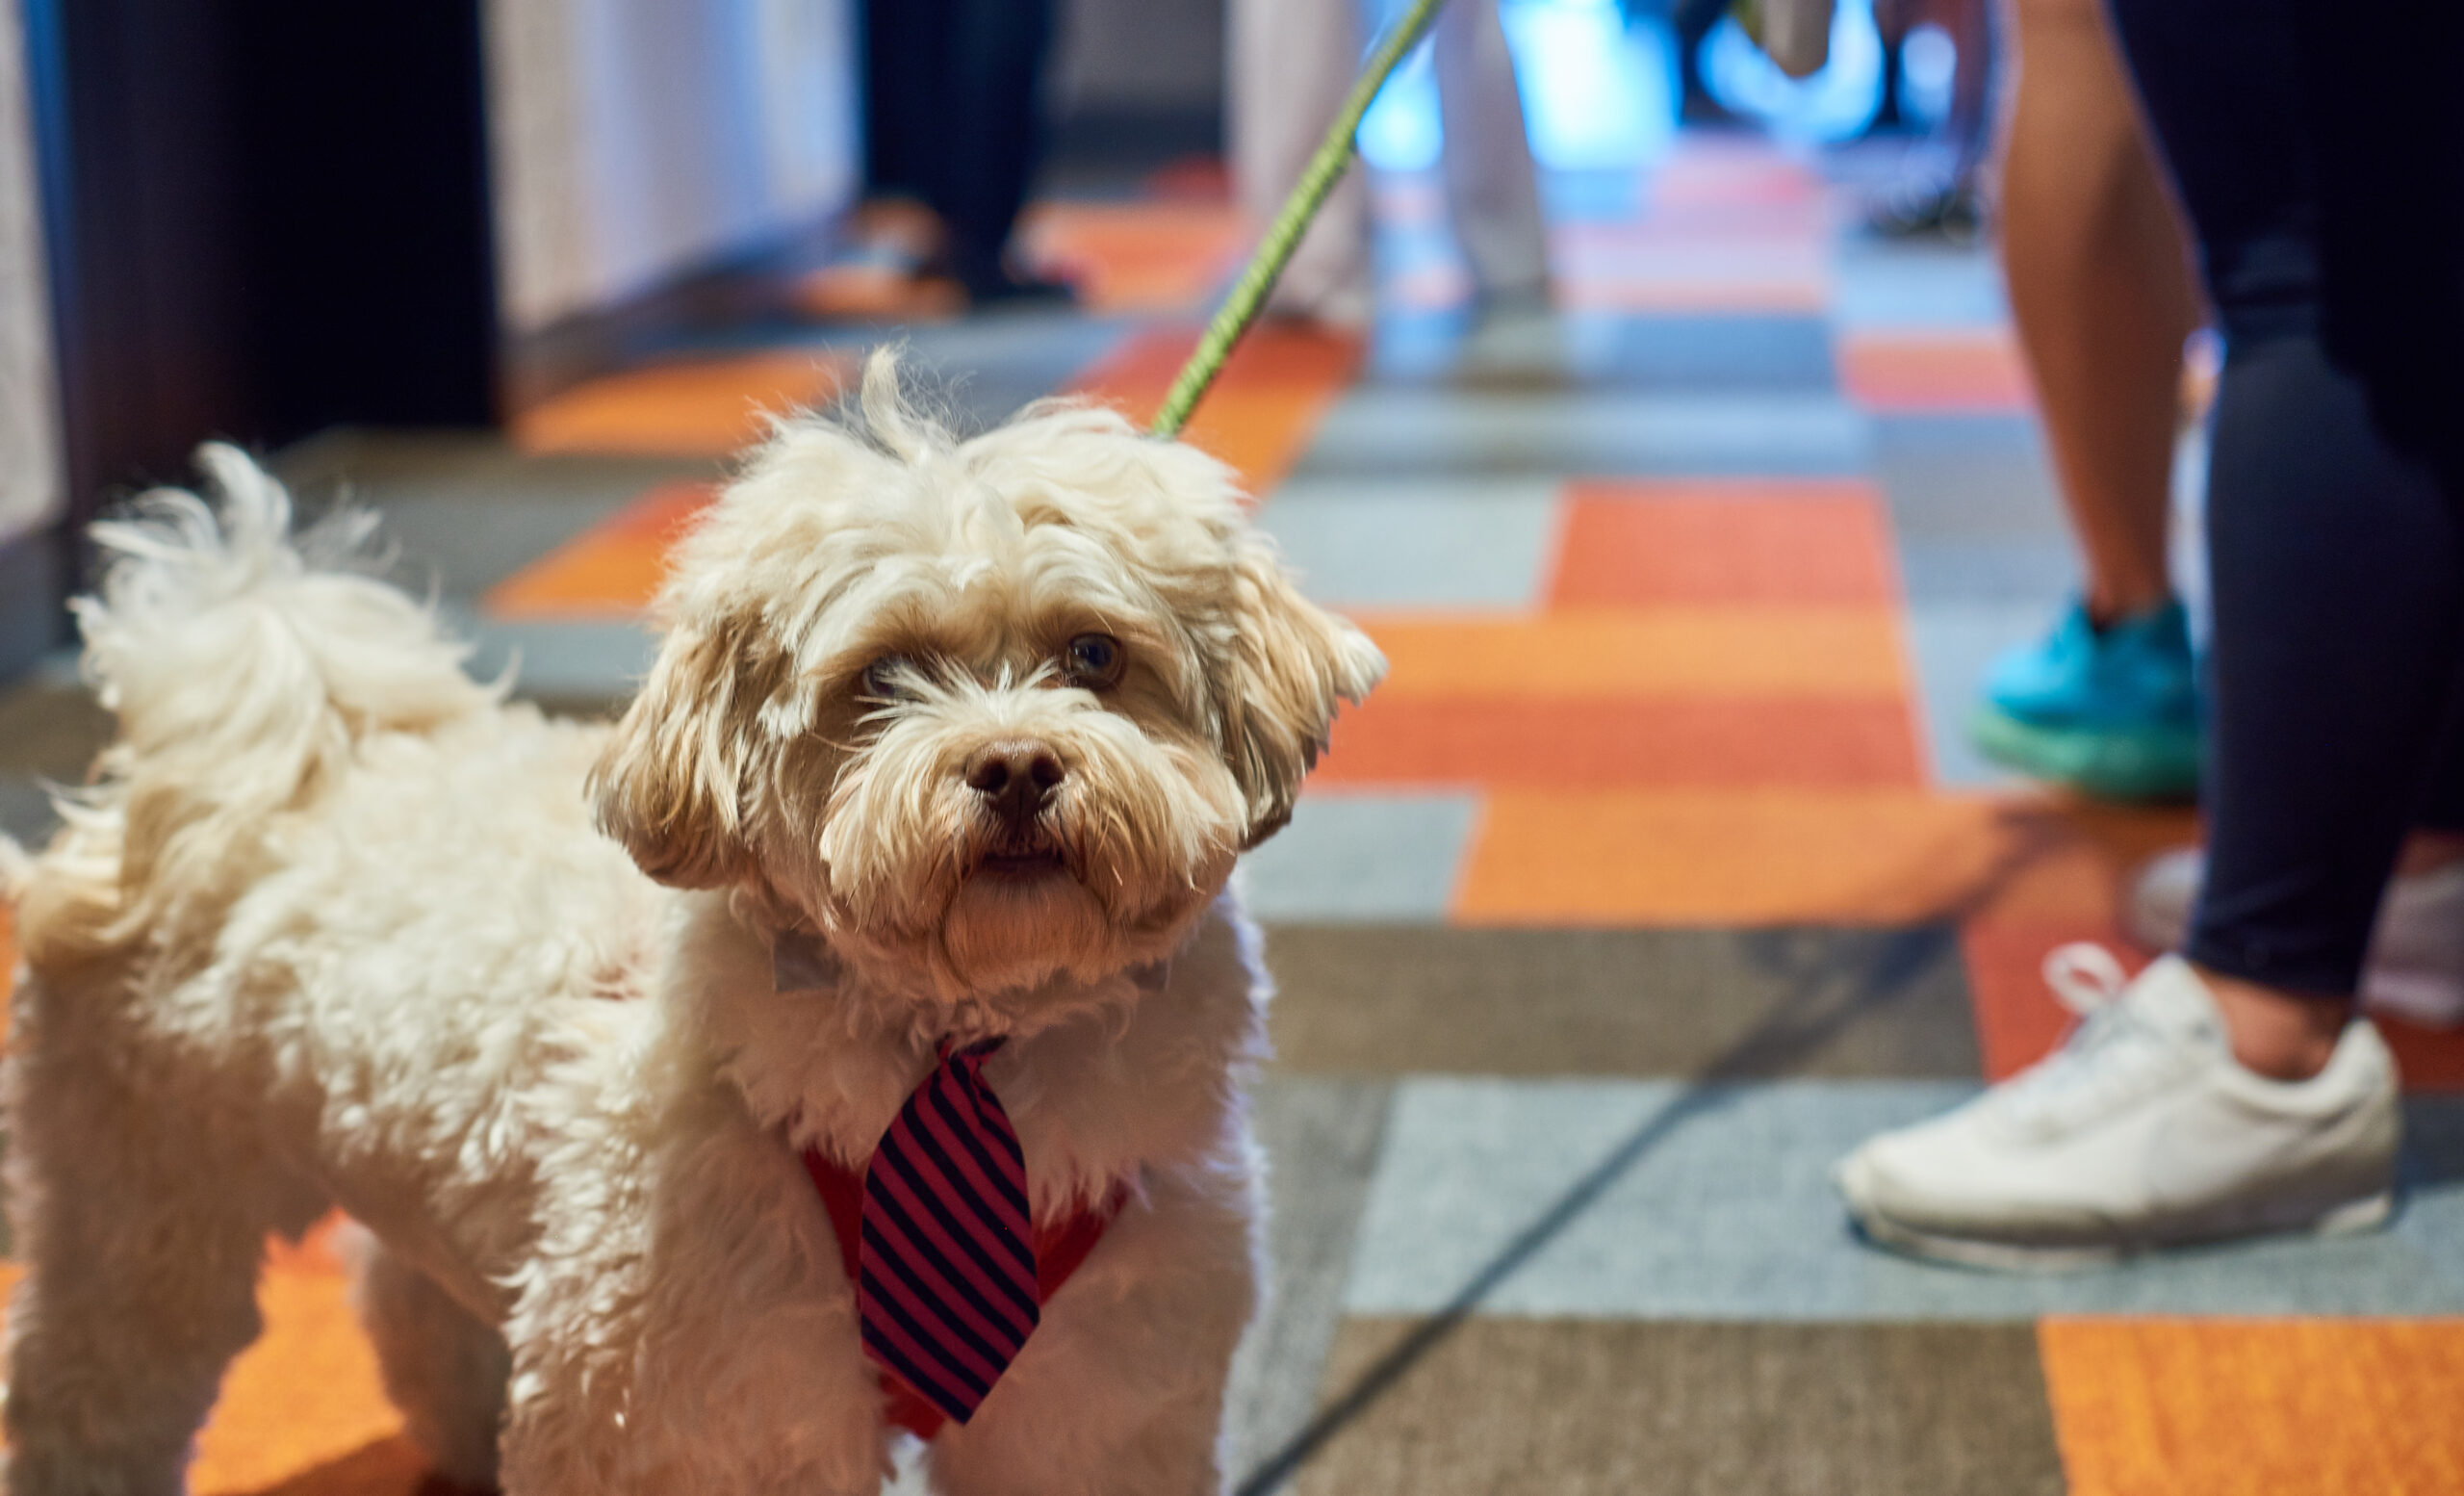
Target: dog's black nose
point(1017, 779)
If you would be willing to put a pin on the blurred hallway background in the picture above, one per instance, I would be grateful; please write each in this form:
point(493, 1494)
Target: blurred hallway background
point(1658, 872)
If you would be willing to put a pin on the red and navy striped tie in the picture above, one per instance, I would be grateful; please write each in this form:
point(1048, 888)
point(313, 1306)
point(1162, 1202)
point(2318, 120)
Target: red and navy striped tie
point(947, 1273)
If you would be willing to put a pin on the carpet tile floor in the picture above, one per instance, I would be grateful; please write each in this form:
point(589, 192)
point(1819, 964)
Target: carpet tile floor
point(1657, 874)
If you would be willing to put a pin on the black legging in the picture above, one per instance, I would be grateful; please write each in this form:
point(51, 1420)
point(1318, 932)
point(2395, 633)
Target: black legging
point(2320, 153)
point(956, 114)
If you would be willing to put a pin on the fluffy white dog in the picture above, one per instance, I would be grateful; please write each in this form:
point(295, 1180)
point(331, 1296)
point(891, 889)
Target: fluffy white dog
point(946, 741)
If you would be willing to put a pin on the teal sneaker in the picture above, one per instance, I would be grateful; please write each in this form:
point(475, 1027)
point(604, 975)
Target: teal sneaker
point(2113, 712)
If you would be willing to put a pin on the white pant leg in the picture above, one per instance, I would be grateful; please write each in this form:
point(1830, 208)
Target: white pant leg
point(1292, 62)
point(1492, 193)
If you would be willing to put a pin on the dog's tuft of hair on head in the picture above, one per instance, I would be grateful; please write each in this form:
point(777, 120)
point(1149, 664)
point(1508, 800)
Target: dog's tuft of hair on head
point(874, 604)
point(891, 415)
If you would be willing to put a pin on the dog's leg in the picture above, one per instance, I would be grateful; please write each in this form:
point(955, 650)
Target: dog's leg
point(141, 1234)
point(444, 1367)
point(1121, 1390)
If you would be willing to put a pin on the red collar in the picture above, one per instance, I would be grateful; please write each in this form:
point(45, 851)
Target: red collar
point(1061, 1247)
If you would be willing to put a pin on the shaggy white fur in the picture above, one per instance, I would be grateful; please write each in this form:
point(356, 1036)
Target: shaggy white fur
point(945, 741)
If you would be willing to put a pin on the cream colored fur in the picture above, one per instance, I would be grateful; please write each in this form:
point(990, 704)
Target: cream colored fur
point(336, 926)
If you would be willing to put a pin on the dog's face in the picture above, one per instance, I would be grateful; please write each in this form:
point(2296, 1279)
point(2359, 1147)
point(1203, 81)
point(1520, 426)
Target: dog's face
point(985, 714)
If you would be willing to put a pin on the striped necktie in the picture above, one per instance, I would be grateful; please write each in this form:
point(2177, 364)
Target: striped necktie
point(946, 1272)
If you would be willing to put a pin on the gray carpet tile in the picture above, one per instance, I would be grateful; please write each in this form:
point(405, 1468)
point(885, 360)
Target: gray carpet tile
point(1955, 644)
point(33, 578)
point(2034, 569)
point(50, 728)
point(985, 368)
point(1430, 543)
point(1390, 999)
point(1361, 856)
point(1576, 1409)
point(578, 667)
point(1967, 477)
point(1888, 285)
point(1674, 352)
point(26, 815)
point(1654, 1200)
point(1320, 1137)
point(462, 512)
point(1396, 430)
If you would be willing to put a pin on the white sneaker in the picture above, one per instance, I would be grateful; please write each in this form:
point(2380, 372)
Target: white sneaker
point(2415, 968)
point(2141, 1131)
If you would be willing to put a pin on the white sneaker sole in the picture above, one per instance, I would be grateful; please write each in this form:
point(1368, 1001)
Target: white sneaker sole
point(2353, 1218)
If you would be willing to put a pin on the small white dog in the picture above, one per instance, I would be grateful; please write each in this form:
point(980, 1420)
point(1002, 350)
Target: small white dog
point(947, 742)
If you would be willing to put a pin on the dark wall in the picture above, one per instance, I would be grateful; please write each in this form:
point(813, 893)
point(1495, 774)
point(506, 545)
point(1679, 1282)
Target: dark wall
point(267, 217)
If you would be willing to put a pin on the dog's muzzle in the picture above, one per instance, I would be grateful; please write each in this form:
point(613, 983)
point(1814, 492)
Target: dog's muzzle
point(1016, 780)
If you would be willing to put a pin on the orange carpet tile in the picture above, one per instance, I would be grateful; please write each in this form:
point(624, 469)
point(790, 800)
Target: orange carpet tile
point(704, 408)
point(1725, 230)
point(307, 1393)
point(303, 1411)
point(2428, 1058)
point(2019, 1020)
point(2071, 860)
point(1711, 277)
point(876, 292)
point(1731, 857)
point(1202, 177)
point(1128, 257)
point(1709, 722)
point(1260, 413)
point(1573, 745)
point(1263, 408)
point(1804, 543)
point(1715, 172)
point(1936, 371)
point(2256, 1407)
point(611, 570)
point(1713, 652)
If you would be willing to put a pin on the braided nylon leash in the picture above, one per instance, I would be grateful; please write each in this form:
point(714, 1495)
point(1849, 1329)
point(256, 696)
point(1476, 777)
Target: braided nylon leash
point(1326, 168)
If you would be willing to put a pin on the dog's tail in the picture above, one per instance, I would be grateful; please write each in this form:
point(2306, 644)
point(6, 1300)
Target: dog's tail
point(244, 666)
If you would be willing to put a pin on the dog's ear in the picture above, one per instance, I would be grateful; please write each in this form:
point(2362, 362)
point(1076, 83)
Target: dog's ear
point(670, 784)
point(1290, 662)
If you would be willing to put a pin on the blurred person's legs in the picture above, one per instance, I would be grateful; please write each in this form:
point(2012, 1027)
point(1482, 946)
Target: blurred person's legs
point(902, 70)
point(2236, 1091)
point(2415, 967)
point(1293, 61)
point(988, 129)
point(2334, 532)
point(2391, 244)
point(1492, 191)
point(1690, 23)
point(2100, 289)
point(1950, 198)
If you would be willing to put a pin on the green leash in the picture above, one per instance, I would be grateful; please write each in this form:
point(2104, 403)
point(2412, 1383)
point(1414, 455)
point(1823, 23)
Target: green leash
point(1325, 168)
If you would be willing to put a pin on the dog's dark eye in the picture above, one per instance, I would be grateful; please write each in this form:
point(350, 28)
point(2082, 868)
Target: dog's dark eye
point(884, 679)
point(1093, 659)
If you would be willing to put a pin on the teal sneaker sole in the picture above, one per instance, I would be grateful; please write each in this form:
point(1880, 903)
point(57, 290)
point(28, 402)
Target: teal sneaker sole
point(2145, 763)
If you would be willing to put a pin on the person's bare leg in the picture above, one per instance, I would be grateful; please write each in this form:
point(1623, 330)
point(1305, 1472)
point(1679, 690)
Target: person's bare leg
point(2101, 290)
point(2427, 851)
point(2280, 1034)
